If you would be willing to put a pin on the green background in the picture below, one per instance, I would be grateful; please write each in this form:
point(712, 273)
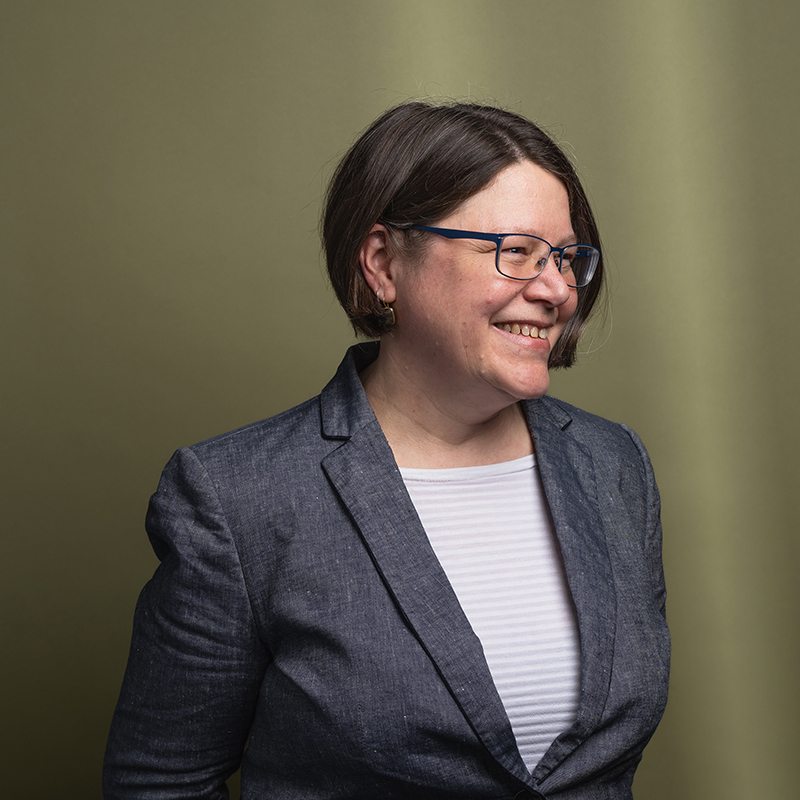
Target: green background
point(162, 168)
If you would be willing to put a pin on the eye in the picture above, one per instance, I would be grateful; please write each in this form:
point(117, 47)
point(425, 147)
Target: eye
point(516, 250)
point(518, 246)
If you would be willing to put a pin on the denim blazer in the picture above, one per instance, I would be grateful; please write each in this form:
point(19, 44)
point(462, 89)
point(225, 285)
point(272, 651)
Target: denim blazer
point(300, 612)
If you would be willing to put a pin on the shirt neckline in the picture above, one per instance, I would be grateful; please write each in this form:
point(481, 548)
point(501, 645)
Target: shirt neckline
point(523, 464)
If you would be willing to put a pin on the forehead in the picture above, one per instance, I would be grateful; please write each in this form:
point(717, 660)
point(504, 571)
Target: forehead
point(522, 198)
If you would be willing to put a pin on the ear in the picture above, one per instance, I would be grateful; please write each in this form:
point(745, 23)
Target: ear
point(377, 263)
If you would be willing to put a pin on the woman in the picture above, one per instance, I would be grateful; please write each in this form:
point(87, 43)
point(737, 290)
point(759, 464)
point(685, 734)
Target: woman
point(431, 581)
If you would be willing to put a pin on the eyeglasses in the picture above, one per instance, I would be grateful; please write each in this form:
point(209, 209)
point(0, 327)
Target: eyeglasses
point(522, 257)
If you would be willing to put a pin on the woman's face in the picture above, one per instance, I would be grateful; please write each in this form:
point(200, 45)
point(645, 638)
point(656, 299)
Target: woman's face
point(454, 309)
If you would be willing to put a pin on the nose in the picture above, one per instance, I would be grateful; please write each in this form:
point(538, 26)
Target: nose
point(548, 286)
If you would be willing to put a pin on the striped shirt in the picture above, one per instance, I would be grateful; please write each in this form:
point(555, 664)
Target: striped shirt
point(491, 529)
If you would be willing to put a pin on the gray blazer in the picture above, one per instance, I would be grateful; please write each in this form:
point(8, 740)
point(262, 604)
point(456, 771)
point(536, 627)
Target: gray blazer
point(299, 603)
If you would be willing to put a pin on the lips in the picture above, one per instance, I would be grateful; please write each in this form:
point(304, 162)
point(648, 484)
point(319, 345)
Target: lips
point(523, 329)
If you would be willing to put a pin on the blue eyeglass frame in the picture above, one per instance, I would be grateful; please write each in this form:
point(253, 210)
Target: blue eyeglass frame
point(497, 238)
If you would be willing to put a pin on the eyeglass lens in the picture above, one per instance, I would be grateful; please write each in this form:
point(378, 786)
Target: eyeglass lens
point(524, 257)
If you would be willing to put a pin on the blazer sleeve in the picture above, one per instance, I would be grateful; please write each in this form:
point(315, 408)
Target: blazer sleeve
point(652, 531)
point(196, 661)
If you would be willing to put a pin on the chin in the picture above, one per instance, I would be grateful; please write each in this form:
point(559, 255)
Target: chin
point(535, 382)
point(530, 389)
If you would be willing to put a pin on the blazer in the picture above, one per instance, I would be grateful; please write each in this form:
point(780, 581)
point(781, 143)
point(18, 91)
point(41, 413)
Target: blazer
point(299, 612)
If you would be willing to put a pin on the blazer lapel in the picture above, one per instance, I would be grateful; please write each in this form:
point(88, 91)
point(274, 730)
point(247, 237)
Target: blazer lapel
point(364, 473)
point(570, 485)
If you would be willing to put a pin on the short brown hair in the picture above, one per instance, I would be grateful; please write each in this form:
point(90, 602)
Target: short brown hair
point(415, 165)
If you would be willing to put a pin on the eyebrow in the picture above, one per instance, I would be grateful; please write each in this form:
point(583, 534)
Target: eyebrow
point(570, 240)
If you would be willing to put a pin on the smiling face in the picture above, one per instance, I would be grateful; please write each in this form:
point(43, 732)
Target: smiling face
point(465, 333)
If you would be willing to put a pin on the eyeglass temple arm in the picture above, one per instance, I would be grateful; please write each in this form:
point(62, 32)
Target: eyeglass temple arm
point(449, 233)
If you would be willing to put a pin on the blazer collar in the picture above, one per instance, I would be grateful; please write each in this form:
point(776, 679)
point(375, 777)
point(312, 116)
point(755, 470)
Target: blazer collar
point(365, 475)
point(343, 403)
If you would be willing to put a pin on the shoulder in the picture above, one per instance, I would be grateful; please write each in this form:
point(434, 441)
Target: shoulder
point(583, 423)
point(610, 443)
point(312, 428)
point(291, 429)
point(271, 460)
point(211, 492)
point(272, 455)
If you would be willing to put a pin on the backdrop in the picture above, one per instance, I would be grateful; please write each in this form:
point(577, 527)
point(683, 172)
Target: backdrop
point(162, 168)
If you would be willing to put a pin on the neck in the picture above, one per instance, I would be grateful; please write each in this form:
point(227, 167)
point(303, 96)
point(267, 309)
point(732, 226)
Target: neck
point(430, 431)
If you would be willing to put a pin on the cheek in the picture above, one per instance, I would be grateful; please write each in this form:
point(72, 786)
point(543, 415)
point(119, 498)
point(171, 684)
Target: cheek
point(568, 309)
point(491, 300)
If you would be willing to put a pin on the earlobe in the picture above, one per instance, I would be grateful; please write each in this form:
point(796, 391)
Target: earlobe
point(377, 264)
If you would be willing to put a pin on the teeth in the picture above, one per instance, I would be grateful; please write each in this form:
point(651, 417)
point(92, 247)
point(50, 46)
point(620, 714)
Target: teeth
point(525, 330)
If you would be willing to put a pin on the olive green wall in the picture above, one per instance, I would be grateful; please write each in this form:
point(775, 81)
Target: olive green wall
point(162, 167)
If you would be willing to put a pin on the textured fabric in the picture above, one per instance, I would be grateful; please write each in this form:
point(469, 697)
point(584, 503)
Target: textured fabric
point(298, 601)
point(491, 530)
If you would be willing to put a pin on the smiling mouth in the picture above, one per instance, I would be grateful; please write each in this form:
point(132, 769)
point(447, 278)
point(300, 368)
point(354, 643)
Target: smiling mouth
point(524, 330)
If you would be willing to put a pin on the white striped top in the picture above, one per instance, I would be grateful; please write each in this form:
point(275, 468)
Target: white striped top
point(491, 529)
